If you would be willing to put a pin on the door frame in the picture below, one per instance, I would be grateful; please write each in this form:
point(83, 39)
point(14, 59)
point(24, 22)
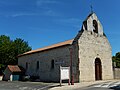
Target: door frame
point(98, 69)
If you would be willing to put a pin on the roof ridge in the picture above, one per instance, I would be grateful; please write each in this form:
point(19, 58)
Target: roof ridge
point(48, 47)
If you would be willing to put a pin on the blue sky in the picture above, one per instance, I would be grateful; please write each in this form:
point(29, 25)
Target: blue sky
point(45, 22)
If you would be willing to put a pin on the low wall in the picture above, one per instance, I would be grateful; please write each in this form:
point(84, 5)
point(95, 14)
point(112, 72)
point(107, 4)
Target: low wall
point(116, 73)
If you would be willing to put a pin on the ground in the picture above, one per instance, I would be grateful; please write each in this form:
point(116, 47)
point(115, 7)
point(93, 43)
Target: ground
point(96, 85)
point(100, 85)
point(16, 85)
point(108, 85)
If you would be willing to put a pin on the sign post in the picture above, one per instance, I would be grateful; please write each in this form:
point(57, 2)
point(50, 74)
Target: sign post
point(64, 74)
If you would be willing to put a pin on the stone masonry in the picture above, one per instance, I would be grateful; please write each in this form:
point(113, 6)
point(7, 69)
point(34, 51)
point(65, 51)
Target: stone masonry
point(91, 56)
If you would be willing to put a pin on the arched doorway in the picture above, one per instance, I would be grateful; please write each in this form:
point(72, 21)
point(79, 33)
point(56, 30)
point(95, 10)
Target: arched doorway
point(98, 69)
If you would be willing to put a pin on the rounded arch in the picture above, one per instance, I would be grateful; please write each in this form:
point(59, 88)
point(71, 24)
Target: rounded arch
point(98, 69)
point(95, 26)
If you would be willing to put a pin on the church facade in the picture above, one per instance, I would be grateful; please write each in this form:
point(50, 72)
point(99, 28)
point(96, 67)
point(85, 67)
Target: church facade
point(89, 54)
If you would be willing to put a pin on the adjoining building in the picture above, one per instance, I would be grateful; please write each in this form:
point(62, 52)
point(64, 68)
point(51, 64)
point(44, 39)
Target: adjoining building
point(89, 52)
point(12, 73)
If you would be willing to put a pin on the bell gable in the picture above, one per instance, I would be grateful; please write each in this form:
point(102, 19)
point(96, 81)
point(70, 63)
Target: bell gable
point(93, 24)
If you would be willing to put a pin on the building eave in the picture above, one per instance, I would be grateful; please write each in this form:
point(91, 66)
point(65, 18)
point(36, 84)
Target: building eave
point(61, 44)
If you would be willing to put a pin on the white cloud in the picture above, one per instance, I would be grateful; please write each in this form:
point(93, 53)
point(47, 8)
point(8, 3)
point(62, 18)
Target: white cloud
point(43, 2)
point(44, 13)
point(74, 22)
point(50, 13)
point(20, 14)
point(70, 20)
point(47, 10)
point(23, 14)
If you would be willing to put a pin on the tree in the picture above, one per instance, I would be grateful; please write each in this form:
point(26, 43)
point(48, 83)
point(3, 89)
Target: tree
point(116, 59)
point(10, 49)
point(5, 44)
point(20, 47)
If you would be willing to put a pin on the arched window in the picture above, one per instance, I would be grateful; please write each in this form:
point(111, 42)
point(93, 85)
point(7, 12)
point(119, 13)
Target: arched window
point(37, 67)
point(52, 64)
point(26, 65)
point(95, 26)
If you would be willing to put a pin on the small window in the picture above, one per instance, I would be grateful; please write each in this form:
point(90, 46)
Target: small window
point(52, 64)
point(26, 65)
point(95, 26)
point(37, 65)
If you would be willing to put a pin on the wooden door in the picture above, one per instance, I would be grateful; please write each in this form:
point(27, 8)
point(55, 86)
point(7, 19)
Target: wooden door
point(98, 69)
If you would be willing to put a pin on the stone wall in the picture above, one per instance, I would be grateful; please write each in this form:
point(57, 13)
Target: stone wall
point(60, 55)
point(116, 72)
point(92, 46)
point(89, 44)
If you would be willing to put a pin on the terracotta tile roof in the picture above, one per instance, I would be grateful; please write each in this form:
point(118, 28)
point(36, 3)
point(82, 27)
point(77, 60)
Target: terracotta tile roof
point(68, 42)
point(14, 68)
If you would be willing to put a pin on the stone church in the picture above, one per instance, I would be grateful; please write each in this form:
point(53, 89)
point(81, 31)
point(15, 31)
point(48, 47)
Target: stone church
point(88, 54)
